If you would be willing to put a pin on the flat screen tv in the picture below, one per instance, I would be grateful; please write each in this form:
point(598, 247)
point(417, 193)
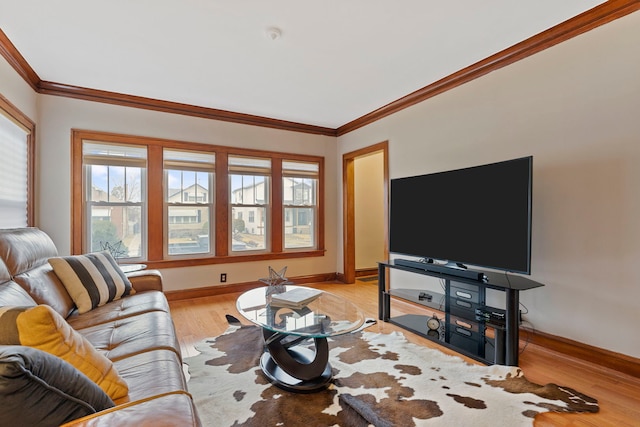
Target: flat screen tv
point(477, 216)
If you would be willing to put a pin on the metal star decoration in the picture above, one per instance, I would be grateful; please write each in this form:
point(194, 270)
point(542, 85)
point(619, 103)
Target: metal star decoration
point(276, 278)
point(115, 250)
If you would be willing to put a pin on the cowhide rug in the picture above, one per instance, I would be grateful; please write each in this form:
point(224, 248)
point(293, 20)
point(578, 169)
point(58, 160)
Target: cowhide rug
point(379, 379)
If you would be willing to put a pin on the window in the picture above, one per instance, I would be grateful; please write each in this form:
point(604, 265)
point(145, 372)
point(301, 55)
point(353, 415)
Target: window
point(299, 199)
point(188, 207)
point(16, 148)
point(249, 197)
point(175, 204)
point(115, 177)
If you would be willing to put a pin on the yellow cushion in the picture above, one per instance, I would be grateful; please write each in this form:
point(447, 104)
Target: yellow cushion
point(43, 328)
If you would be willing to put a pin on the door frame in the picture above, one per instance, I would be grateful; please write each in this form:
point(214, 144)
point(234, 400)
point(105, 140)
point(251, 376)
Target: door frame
point(348, 206)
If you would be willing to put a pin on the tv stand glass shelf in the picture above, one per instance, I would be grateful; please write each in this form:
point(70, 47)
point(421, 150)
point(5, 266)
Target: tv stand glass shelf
point(467, 325)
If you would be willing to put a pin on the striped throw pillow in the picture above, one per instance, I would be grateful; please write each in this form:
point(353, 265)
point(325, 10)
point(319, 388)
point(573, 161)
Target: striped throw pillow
point(92, 279)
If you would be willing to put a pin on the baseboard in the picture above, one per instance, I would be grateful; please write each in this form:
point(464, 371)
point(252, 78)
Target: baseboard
point(367, 272)
point(599, 356)
point(209, 291)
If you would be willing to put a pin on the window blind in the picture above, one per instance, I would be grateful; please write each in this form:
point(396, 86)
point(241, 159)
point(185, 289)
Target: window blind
point(13, 174)
point(189, 160)
point(249, 165)
point(96, 153)
point(301, 169)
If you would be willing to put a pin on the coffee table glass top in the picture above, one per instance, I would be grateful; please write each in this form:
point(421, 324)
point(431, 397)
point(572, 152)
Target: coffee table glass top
point(325, 316)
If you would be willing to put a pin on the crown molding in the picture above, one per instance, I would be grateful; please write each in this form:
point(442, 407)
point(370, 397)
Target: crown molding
point(87, 94)
point(17, 61)
point(564, 31)
point(593, 18)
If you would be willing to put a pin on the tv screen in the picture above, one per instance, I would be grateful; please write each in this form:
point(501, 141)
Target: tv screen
point(479, 215)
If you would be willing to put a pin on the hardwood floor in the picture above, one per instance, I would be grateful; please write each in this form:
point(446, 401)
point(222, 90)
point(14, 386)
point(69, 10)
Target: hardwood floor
point(617, 394)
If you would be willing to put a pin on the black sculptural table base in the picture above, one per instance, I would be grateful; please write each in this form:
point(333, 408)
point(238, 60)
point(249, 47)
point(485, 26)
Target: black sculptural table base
point(296, 368)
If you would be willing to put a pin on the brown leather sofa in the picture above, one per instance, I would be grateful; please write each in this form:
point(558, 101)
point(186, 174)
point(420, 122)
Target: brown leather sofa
point(135, 332)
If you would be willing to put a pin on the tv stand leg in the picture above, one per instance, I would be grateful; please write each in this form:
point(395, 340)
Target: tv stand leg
point(512, 347)
point(499, 346)
point(384, 299)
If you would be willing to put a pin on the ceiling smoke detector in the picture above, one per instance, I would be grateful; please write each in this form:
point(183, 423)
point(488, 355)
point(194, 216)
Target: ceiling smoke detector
point(274, 33)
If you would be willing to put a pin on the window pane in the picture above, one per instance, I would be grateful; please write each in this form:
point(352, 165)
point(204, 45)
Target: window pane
point(188, 186)
point(117, 227)
point(299, 191)
point(188, 230)
point(115, 184)
point(299, 231)
point(133, 184)
point(248, 236)
point(248, 189)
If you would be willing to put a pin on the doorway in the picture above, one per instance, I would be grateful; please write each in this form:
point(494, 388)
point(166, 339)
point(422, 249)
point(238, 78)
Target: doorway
point(353, 228)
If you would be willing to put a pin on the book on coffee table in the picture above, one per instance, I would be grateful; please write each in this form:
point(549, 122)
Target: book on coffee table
point(295, 298)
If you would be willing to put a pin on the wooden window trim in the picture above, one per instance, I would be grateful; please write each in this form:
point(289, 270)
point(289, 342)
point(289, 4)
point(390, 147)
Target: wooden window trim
point(155, 223)
point(25, 122)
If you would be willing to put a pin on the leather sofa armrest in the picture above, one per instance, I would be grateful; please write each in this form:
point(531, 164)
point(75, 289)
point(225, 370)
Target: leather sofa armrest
point(146, 280)
point(174, 409)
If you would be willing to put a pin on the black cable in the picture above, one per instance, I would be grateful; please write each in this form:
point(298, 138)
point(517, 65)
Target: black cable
point(529, 333)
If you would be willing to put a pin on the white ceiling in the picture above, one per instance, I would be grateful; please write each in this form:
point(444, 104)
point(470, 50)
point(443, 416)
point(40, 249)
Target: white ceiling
point(336, 60)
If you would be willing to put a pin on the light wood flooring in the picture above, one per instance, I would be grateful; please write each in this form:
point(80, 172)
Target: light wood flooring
point(617, 394)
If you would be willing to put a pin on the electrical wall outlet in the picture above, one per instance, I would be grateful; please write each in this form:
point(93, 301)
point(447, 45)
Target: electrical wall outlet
point(223, 277)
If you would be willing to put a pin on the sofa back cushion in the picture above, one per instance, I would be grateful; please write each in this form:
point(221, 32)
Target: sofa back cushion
point(45, 287)
point(12, 294)
point(4, 272)
point(25, 253)
point(37, 389)
point(22, 249)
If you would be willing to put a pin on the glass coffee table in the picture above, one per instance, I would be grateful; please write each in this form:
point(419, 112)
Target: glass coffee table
point(287, 362)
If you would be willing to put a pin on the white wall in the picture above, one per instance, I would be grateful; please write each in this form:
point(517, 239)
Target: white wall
point(369, 214)
point(59, 115)
point(575, 108)
point(17, 91)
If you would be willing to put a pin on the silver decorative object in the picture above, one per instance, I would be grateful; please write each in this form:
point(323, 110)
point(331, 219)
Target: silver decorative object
point(276, 281)
point(115, 249)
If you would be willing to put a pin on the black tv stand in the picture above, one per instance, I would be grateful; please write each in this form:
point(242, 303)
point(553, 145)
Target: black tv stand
point(457, 270)
point(467, 317)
